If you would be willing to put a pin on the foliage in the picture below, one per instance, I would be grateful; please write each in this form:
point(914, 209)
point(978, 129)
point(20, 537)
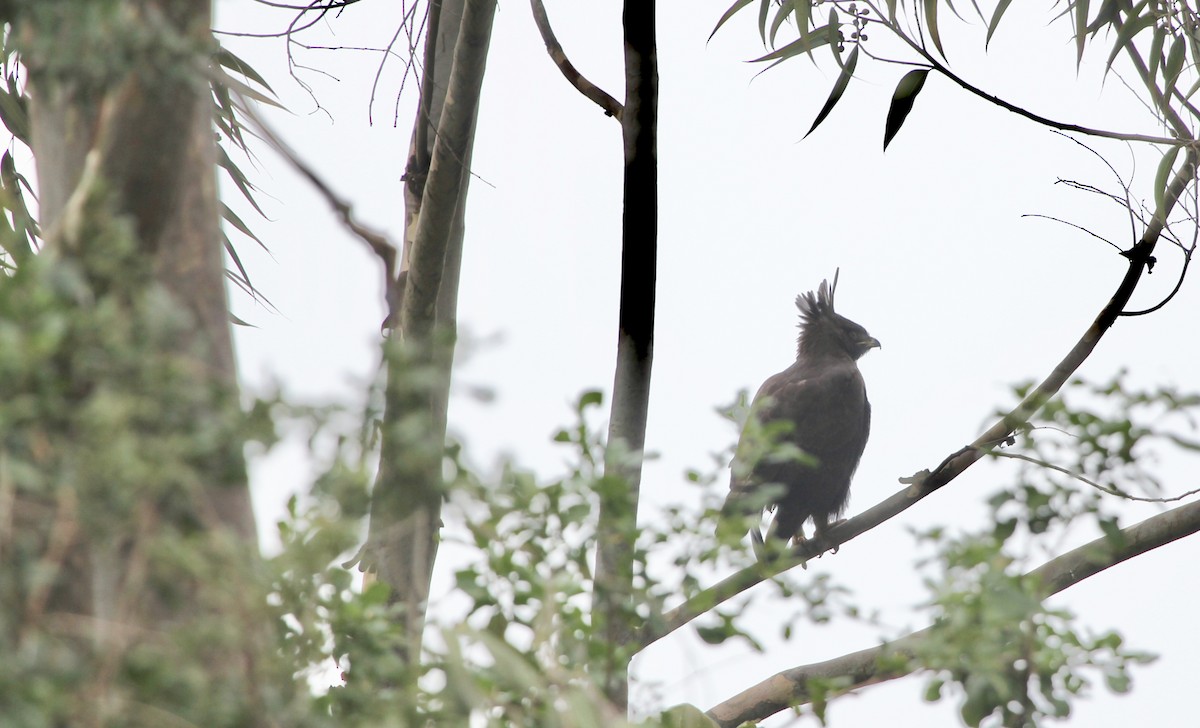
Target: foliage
point(1006, 653)
point(1154, 37)
point(994, 640)
point(109, 442)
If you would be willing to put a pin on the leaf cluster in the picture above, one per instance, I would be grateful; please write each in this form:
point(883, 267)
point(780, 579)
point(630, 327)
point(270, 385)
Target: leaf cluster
point(994, 643)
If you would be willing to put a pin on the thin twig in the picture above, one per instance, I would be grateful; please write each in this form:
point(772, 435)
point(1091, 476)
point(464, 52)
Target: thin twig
point(1071, 224)
point(1088, 481)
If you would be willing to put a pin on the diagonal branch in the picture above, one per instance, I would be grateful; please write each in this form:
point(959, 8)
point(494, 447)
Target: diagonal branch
point(926, 482)
point(611, 106)
point(965, 85)
point(790, 687)
point(379, 244)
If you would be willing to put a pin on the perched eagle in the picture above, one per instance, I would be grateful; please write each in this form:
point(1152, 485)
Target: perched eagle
point(824, 400)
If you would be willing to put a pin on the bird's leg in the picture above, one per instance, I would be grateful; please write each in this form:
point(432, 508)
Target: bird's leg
point(796, 542)
point(823, 525)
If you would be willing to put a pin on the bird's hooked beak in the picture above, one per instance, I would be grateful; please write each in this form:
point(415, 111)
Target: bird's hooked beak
point(872, 343)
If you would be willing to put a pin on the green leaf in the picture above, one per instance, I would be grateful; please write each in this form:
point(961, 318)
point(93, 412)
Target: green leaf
point(803, 13)
point(817, 38)
point(902, 102)
point(1081, 13)
point(226, 58)
point(590, 398)
point(1109, 12)
point(839, 88)
point(240, 322)
point(686, 716)
point(1174, 65)
point(239, 179)
point(237, 261)
point(931, 8)
point(1161, 177)
point(785, 9)
point(933, 691)
point(995, 21)
point(733, 9)
point(1156, 48)
point(713, 635)
point(762, 19)
point(236, 221)
point(1128, 32)
point(14, 112)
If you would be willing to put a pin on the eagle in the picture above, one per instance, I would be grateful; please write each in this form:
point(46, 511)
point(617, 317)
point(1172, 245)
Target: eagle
point(821, 401)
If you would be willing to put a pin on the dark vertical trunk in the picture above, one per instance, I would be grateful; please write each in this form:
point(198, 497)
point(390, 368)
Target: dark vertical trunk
point(635, 348)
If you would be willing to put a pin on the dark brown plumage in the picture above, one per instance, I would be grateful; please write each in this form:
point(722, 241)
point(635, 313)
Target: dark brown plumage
point(824, 399)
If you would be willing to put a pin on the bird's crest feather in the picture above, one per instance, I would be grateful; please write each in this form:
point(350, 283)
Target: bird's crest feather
point(814, 307)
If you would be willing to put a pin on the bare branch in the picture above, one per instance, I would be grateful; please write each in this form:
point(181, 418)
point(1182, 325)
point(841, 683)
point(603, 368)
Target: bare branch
point(1071, 224)
point(790, 687)
point(379, 244)
point(1187, 260)
point(611, 106)
point(1098, 486)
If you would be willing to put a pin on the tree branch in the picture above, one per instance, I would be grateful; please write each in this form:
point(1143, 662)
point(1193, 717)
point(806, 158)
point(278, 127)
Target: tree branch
point(926, 482)
point(962, 83)
point(790, 687)
point(611, 106)
point(379, 244)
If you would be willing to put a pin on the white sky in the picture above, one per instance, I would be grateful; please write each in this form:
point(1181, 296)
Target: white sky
point(936, 261)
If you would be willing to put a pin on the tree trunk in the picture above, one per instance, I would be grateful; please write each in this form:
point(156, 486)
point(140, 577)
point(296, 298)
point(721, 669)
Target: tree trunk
point(635, 352)
point(406, 505)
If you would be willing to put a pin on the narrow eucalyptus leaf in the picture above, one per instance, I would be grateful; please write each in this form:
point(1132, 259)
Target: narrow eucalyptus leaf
point(1156, 49)
point(1174, 65)
point(839, 88)
point(785, 9)
point(995, 21)
point(733, 9)
point(1081, 14)
point(902, 102)
point(1126, 35)
point(931, 8)
point(1161, 178)
point(816, 39)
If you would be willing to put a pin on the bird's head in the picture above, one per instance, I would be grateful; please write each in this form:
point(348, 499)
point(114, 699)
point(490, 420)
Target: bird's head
point(824, 331)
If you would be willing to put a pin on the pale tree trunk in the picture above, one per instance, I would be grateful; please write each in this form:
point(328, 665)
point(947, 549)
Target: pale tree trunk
point(406, 506)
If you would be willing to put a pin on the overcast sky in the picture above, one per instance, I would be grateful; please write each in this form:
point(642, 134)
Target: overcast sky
point(936, 261)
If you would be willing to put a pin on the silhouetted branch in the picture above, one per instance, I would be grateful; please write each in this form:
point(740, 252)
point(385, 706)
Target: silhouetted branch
point(936, 65)
point(379, 244)
point(611, 106)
